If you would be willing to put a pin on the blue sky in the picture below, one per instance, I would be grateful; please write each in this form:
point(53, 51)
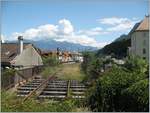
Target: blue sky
point(88, 22)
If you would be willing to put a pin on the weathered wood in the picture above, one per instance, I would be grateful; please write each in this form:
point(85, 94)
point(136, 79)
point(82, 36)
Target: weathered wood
point(32, 92)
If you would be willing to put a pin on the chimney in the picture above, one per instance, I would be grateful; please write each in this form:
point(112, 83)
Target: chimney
point(20, 39)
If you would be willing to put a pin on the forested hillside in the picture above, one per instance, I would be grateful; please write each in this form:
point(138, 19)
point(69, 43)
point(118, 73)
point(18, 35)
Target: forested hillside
point(117, 48)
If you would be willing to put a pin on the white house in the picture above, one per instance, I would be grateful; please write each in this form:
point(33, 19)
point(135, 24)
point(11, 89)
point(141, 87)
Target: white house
point(140, 39)
point(20, 55)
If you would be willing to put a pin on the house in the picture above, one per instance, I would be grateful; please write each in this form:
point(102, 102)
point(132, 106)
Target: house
point(140, 39)
point(20, 55)
point(76, 56)
point(64, 56)
point(118, 61)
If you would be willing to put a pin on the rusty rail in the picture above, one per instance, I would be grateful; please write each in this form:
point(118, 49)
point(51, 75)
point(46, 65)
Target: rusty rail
point(44, 82)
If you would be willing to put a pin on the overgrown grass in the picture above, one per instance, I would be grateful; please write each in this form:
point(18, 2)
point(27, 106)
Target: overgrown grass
point(71, 72)
point(10, 103)
point(50, 70)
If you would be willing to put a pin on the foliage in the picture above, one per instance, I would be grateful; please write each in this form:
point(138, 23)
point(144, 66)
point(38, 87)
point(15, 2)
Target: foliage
point(10, 103)
point(94, 69)
point(87, 58)
point(51, 64)
point(117, 48)
point(7, 77)
point(136, 64)
point(107, 92)
point(91, 66)
point(50, 61)
point(136, 97)
point(49, 70)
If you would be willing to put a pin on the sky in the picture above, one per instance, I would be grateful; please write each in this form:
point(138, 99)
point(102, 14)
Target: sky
point(86, 22)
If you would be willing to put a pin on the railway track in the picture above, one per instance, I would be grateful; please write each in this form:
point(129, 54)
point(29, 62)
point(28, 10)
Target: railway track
point(26, 89)
point(52, 88)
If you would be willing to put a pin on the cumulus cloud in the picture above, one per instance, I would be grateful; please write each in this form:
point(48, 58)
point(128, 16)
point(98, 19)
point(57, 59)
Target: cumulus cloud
point(93, 32)
point(118, 24)
point(66, 27)
point(83, 40)
point(63, 31)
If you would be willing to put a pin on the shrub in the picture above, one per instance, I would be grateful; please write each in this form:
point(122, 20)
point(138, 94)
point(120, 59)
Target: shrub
point(136, 64)
point(50, 61)
point(136, 97)
point(91, 66)
point(87, 58)
point(7, 77)
point(106, 94)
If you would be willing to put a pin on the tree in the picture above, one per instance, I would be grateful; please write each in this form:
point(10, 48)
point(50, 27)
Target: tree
point(136, 97)
point(107, 92)
point(136, 64)
point(50, 61)
point(87, 58)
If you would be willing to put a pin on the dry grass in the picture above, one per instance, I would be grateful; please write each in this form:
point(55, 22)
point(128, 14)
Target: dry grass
point(71, 71)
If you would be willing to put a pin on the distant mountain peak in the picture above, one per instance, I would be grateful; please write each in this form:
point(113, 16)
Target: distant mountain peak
point(49, 44)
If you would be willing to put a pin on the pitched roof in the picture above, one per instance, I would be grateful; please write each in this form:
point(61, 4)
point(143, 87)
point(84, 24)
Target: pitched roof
point(10, 50)
point(134, 28)
point(144, 25)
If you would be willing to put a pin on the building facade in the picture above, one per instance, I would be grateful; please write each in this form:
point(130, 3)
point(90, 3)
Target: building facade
point(20, 55)
point(140, 39)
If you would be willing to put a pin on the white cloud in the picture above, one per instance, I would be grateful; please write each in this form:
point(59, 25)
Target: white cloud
point(83, 40)
point(63, 31)
point(118, 24)
point(113, 20)
point(93, 32)
point(66, 27)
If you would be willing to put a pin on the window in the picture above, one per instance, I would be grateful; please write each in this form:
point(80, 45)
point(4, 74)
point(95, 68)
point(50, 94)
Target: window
point(144, 51)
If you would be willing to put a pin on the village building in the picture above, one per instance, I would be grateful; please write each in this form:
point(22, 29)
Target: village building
point(77, 56)
point(64, 56)
point(20, 54)
point(140, 39)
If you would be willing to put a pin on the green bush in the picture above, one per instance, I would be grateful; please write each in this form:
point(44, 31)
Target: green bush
point(87, 58)
point(106, 94)
point(136, 97)
point(136, 64)
point(50, 61)
point(94, 69)
point(7, 77)
point(91, 66)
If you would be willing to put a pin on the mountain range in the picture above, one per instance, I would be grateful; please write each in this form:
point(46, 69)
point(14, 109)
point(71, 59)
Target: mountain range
point(50, 44)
